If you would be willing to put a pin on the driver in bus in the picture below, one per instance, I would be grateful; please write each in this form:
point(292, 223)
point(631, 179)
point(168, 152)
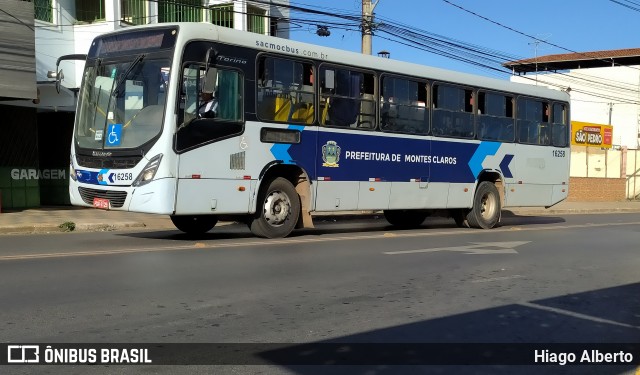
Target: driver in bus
point(209, 106)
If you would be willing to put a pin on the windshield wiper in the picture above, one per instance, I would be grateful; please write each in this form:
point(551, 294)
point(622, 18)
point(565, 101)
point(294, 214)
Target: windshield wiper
point(116, 88)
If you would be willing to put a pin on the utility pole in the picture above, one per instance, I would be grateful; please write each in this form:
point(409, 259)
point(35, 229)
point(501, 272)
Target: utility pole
point(367, 25)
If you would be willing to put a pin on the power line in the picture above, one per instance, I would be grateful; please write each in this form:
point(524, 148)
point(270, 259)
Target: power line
point(531, 36)
point(17, 19)
point(629, 4)
point(482, 57)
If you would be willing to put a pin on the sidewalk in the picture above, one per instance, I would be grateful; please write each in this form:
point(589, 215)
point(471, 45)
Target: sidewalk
point(63, 219)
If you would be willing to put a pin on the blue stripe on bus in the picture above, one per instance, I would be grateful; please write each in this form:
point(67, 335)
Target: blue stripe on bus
point(280, 151)
point(504, 166)
point(485, 149)
point(360, 156)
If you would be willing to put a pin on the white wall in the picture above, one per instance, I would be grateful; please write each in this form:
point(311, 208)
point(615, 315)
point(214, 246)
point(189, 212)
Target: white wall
point(64, 37)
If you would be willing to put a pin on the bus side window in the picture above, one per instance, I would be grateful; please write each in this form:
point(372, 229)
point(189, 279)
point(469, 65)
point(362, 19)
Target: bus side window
point(533, 118)
point(559, 126)
point(495, 117)
point(403, 106)
point(189, 94)
point(229, 114)
point(285, 91)
point(450, 117)
point(303, 95)
point(343, 109)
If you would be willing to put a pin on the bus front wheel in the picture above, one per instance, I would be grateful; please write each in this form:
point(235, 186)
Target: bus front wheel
point(277, 210)
point(405, 218)
point(194, 224)
point(486, 210)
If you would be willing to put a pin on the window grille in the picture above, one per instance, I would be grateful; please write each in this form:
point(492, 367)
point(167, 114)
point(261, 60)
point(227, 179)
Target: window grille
point(180, 11)
point(134, 11)
point(256, 18)
point(43, 10)
point(222, 15)
point(90, 11)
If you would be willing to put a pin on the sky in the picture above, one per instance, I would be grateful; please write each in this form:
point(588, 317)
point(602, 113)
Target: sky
point(550, 27)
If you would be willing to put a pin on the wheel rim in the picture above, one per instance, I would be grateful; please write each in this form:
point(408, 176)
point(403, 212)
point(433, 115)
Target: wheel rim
point(488, 206)
point(276, 208)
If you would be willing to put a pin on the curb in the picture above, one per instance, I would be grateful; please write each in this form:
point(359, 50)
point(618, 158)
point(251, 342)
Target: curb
point(53, 228)
point(28, 229)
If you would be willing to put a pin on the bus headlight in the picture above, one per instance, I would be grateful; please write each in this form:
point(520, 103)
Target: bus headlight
point(72, 170)
point(148, 172)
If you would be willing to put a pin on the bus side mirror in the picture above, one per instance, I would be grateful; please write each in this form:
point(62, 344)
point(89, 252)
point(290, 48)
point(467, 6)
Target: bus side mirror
point(59, 78)
point(211, 57)
point(59, 74)
point(209, 60)
point(209, 80)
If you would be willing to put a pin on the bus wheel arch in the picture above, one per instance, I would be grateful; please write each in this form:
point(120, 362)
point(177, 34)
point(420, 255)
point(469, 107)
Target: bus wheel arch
point(283, 202)
point(486, 209)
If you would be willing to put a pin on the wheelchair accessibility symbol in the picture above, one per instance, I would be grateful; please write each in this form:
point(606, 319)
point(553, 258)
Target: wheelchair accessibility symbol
point(114, 135)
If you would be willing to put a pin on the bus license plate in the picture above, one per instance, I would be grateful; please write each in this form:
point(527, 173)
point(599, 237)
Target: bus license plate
point(101, 203)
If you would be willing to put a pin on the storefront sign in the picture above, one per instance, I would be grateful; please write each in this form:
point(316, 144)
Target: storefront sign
point(588, 134)
point(34, 174)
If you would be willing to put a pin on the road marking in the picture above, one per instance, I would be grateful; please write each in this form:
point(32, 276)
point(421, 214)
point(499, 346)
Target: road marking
point(574, 314)
point(95, 252)
point(477, 248)
point(293, 241)
point(502, 278)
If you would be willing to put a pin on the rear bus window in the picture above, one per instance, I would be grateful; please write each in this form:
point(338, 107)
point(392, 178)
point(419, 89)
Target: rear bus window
point(559, 129)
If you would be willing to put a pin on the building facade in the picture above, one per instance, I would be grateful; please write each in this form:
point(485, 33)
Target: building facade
point(35, 141)
point(604, 87)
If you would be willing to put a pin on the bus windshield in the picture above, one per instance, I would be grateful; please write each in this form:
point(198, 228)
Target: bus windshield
point(122, 102)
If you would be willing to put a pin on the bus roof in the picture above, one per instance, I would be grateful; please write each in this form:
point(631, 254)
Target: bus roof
point(206, 31)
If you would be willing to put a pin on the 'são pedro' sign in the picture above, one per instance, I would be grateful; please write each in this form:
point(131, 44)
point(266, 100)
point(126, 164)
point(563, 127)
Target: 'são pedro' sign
point(588, 134)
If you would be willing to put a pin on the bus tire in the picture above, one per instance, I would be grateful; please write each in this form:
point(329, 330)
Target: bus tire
point(405, 218)
point(277, 210)
point(194, 224)
point(486, 210)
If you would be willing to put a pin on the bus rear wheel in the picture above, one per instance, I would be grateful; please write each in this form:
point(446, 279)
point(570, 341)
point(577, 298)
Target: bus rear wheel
point(405, 218)
point(277, 210)
point(486, 210)
point(194, 224)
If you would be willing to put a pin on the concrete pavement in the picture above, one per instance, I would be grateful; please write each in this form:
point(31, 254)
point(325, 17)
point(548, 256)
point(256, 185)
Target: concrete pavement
point(64, 219)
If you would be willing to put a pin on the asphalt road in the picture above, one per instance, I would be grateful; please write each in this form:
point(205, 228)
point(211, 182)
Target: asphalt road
point(533, 280)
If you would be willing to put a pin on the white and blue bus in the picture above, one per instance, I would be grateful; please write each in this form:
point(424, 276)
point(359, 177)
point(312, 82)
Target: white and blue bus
point(299, 129)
